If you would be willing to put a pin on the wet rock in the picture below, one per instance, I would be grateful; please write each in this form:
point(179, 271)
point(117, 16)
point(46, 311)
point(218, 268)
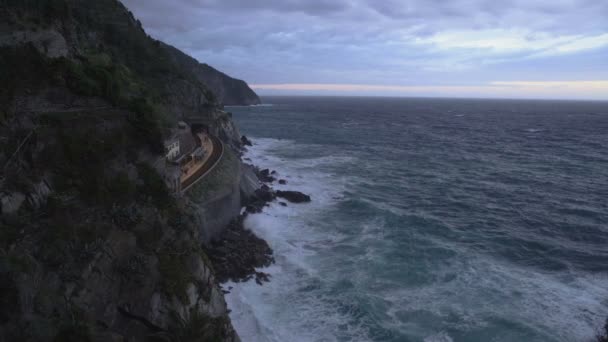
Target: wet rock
point(237, 253)
point(255, 207)
point(282, 181)
point(283, 204)
point(294, 196)
point(261, 277)
point(265, 176)
point(245, 141)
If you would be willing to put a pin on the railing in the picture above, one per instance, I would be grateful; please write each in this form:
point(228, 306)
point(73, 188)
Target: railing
point(214, 159)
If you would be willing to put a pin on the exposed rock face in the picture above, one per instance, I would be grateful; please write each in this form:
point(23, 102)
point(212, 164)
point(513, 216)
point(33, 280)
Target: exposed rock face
point(237, 252)
point(245, 141)
point(49, 42)
point(132, 290)
point(102, 252)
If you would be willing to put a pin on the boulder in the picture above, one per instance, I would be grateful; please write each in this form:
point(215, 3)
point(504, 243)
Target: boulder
point(265, 194)
point(265, 176)
point(293, 196)
point(245, 141)
point(282, 181)
point(237, 253)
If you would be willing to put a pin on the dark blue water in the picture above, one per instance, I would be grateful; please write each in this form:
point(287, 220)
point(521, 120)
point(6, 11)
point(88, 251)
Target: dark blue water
point(432, 220)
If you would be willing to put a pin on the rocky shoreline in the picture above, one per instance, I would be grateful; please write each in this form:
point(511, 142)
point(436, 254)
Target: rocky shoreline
point(237, 252)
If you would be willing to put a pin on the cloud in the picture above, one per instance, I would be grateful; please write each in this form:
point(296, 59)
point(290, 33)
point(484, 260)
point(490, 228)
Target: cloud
point(502, 89)
point(500, 41)
point(407, 43)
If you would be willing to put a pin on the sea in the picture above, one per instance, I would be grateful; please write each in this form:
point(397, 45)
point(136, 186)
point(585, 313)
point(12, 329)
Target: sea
point(433, 220)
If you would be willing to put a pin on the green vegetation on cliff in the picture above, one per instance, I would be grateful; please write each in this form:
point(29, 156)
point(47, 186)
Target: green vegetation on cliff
point(92, 245)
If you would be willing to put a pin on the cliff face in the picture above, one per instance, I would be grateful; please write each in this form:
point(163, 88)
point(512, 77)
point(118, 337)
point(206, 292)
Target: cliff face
point(92, 246)
point(229, 91)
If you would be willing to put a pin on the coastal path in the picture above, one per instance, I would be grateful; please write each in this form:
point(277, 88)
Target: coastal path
point(204, 167)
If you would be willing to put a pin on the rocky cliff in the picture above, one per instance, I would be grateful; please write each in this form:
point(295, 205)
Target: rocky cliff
point(92, 245)
point(229, 91)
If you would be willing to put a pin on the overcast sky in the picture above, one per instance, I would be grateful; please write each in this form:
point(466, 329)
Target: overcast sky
point(507, 48)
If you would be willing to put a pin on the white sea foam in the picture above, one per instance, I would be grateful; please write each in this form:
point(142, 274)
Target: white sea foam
point(470, 291)
point(254, 105)
point(441, 337)
point(480, 290)
point(287, 308)
point(534, 130)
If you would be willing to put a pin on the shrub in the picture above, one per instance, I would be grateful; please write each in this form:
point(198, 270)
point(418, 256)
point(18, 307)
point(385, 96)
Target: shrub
point(174, 275)
point(153, 188)
point(96, 75)
point(146, 121)
point(120, 188)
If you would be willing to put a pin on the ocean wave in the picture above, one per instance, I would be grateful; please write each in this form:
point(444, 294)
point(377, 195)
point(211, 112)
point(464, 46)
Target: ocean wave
point(266, 313)
point(427, 227)
point(478, 294)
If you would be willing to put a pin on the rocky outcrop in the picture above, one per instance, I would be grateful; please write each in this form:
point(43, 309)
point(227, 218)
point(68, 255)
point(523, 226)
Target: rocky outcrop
point(50, 43)
point(245, 141)
point(237, 252)
point(266, 175)
point(293, 196)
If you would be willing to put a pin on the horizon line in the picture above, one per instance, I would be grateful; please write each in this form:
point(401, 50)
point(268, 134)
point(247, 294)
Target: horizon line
point(575, 90)
point(440, 97)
